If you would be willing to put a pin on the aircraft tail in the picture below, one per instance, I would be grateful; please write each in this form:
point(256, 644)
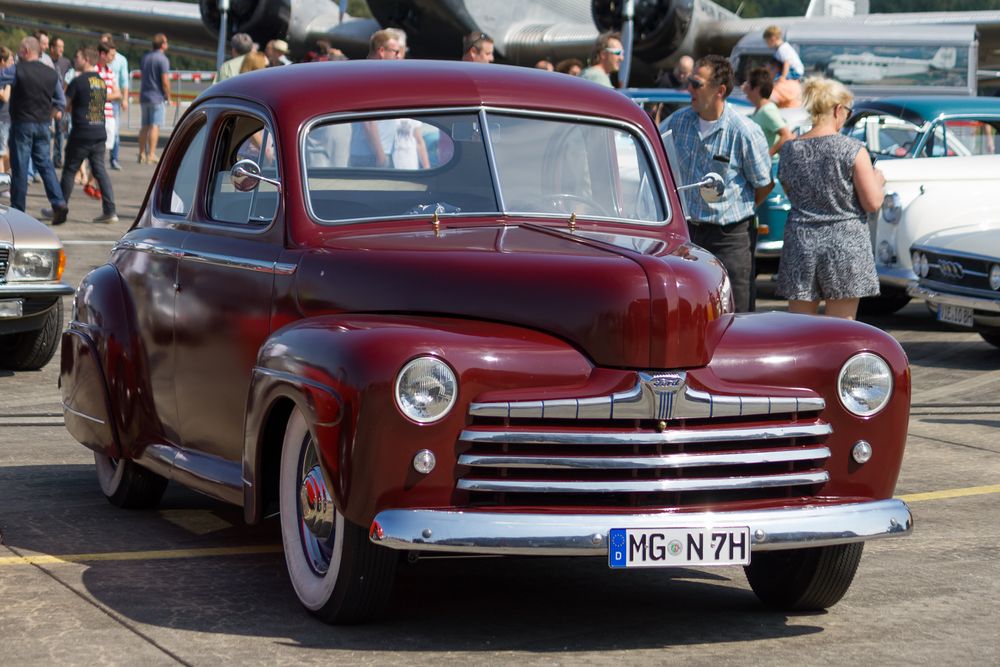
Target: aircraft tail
point(945, 58)
point(837, 8)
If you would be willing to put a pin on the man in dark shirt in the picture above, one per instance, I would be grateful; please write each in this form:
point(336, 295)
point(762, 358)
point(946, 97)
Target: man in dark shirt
point(35, 92)
point(86, 96)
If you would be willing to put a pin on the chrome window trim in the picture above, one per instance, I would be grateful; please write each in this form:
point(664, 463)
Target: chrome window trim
point(491, 158)
point(669, 437)
point(248, 228)
point(216, 259)
point(644, 486)
point(668, 461)
point(480, 111)
point(929, 125)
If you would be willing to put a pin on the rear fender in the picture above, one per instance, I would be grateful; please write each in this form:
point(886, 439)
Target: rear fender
point(103, 378)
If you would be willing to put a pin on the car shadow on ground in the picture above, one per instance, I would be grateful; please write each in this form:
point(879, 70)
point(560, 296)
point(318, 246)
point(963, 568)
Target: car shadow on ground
point(464, 604)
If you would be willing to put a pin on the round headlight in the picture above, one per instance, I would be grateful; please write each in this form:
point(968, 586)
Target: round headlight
point(865, 384)
point(923, 268)
point(915, 262)
point(892, 209)
point(426, 389)
point(995, 277)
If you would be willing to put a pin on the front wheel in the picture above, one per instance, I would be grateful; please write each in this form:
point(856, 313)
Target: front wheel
point(31, 350)
point(337, 573)
point(804, 579)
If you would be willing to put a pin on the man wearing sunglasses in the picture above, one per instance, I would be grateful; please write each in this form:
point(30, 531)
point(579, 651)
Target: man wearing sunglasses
point(606, 58)
point(711, 137)
point(478, 47)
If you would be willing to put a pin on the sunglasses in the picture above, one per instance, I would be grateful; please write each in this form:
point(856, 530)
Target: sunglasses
point(850, 110)
point(695, 83)
point(614, 52)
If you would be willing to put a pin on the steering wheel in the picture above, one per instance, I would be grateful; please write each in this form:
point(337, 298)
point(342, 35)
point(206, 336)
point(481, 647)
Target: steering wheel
point(561, 202)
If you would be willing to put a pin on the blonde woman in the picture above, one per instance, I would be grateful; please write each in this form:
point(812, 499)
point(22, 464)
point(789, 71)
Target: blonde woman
point(831, 185)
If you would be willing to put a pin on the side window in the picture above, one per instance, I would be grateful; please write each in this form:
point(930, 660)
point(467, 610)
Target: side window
point(178, 197)
point(244, 138)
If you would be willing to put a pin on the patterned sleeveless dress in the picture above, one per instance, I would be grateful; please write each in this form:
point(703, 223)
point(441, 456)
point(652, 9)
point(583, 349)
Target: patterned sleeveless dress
point(827, 251)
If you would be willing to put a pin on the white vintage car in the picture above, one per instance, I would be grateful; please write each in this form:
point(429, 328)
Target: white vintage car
point(939, 157)
point(959, 275)
point(31, 310)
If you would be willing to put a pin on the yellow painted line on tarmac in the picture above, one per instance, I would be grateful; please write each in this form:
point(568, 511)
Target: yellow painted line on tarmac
point(950, 493)
point(45, 559)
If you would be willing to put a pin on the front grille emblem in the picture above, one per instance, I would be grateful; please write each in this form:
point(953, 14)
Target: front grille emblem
point(951, 270)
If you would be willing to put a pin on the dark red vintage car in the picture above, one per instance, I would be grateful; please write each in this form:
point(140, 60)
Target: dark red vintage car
point(449, 307)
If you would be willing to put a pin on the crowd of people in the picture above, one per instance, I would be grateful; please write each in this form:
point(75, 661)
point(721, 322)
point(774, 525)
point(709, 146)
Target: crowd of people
point(62, 113)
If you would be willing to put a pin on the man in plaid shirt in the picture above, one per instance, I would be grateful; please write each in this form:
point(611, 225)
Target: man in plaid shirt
point(711, 137)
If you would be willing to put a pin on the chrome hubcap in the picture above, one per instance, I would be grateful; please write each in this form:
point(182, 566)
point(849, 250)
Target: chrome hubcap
point(317, 515)
point(316, 504)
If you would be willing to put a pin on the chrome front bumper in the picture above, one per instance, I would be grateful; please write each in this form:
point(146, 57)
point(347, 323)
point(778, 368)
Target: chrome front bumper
point(895, 276)
point(934, 297)
point(511, 533)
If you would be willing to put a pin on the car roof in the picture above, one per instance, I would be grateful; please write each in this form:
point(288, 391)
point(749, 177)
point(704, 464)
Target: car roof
point(301, 91)
point(920, 109)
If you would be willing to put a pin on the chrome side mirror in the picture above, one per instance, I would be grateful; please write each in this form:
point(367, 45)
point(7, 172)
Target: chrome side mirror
point(4, 183)
point(711, 187)
point(246, 176)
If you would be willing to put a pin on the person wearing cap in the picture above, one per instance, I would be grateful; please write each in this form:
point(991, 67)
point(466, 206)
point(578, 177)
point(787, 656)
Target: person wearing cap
point(277, 53)
point(240, 45)
point(478, 47)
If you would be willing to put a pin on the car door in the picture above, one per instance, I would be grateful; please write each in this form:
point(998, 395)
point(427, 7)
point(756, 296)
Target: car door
point(147, 260)
point(225, 282)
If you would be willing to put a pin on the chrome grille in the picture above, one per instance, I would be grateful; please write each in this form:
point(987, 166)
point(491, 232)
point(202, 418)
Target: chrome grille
point(4, 262)
point(661, 443)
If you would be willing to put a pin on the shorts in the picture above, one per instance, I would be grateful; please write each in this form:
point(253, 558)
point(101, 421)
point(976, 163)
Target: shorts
point(152, 113)
point(4, 137)
point(827, 260)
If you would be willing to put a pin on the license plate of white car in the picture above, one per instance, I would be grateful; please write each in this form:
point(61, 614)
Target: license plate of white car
point(678, 547)
point(959, 315)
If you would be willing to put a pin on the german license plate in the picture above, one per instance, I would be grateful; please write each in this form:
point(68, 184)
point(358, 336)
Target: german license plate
point(959, 315)
point(11, 308)
point(678, 547)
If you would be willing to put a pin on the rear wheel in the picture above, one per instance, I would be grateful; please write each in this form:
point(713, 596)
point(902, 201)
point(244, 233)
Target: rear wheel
point(804, 579)
point(337, 573)
point(31, 350)
point(127, 484)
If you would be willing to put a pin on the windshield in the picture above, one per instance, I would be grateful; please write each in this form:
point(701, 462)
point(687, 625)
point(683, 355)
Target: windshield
point(439, 163)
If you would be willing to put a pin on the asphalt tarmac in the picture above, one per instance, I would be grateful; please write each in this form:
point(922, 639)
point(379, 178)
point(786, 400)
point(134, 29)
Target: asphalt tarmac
point(82, 582)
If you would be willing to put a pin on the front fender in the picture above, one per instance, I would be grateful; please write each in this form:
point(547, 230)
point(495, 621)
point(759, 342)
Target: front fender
point(805, 351)
point(340, 371)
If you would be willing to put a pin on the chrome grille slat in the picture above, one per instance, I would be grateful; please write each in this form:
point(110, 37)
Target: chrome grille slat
point(4, 262)
point(644, 486)
point(676, 401)
point(670, 461)
point(670, 437)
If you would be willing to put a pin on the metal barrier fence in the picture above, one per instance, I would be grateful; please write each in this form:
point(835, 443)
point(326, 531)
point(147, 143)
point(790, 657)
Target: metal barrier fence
point(185, 86)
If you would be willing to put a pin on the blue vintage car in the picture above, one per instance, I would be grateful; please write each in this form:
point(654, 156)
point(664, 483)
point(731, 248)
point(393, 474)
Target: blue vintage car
point(938, 154)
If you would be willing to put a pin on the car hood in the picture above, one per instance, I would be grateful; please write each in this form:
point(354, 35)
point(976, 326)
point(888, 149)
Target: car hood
point(940, 169)
point(981, 238)
point(626, 300)
point(17, 227)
